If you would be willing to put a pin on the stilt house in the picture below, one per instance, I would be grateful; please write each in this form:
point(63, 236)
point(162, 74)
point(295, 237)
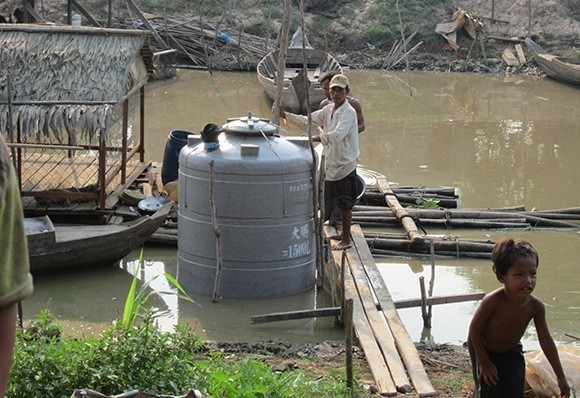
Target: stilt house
point(72, 112)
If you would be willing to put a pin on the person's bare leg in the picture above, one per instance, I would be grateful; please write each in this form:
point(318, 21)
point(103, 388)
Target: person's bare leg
point(344, 238)
point(8, 317)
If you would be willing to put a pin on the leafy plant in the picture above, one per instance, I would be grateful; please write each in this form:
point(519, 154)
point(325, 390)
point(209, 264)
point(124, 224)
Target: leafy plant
point(426, 204)
point(136, 300)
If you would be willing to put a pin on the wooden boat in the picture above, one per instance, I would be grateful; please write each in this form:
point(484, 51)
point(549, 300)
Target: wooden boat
point(296, 79)
point(55, 248)
point(559, 68)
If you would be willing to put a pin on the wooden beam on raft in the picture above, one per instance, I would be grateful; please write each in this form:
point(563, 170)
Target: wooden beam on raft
point(404, 218)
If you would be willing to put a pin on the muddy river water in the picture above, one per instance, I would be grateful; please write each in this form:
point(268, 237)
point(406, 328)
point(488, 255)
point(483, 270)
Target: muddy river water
point(501, 141)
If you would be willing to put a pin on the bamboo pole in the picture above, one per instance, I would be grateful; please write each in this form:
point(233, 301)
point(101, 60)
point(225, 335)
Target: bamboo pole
point(136, 10)
point(421, 255)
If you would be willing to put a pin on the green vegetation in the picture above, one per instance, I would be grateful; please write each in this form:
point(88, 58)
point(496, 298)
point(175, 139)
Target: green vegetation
point(48, 364)
point(132, 355)
point(426, 204)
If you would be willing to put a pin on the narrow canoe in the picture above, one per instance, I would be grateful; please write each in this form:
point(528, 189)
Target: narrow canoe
point(297, 81)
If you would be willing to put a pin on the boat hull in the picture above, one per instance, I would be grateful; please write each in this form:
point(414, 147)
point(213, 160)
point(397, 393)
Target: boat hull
point(566, 70)
point(76, 247)
point(299, 92)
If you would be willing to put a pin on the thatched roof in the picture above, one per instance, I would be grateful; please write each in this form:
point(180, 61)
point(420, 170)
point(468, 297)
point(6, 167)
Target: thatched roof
point(66, 78)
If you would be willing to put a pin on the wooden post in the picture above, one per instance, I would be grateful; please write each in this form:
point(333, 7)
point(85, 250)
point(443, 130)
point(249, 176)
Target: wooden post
point(142, 124)
point(216, 232)
point(124, 141)
point(530, 18)
point(110, 14)
point(283, 43)
point(102, 173)
point(11, 127)
point(424, 314)
point(68, 12)
point(348, 334)
point(321, 245)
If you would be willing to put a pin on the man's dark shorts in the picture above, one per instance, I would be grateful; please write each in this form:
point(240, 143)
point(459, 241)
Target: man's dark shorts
point(345, 191)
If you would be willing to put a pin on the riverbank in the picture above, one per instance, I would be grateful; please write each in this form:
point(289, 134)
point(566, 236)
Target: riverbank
point(447, 366)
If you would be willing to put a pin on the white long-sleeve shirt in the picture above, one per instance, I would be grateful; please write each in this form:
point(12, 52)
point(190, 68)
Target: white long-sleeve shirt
point(340, 139)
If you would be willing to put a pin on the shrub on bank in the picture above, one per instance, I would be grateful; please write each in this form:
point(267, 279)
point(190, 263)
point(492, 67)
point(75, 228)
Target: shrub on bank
point(49, 364)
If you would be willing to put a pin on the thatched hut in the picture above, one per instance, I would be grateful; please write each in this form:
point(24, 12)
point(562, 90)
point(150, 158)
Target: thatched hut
point(72, 110)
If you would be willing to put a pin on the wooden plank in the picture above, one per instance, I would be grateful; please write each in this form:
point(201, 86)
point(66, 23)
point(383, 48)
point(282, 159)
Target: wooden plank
point(300, 314)
point(378, 324)
point(366, 339)
point(436, 300)
point(521, 54)
point(403, 340)
point(404, 218)
point(509, 58)
point(137, 11)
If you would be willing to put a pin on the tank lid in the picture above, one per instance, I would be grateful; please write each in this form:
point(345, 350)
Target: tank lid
point(250, 126)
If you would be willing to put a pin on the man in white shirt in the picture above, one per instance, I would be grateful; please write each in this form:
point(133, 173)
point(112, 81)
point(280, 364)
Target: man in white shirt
point(339, 137)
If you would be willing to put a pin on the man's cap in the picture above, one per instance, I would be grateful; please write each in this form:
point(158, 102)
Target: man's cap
point(339, 81)
point(211, 129)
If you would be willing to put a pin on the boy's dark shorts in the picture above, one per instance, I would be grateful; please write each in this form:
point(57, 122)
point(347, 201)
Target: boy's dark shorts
point(345, 191)
point(511, 369)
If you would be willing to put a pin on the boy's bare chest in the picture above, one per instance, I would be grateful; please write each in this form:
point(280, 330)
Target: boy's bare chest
point(507, 325)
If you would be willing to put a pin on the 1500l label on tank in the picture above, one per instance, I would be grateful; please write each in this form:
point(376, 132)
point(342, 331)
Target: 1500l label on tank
point(300, 243)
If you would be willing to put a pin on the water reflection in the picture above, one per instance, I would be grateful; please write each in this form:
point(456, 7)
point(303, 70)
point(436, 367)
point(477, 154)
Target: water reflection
point(226, 319)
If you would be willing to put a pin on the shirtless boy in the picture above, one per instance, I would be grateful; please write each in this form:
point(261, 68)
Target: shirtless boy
point(501, 320)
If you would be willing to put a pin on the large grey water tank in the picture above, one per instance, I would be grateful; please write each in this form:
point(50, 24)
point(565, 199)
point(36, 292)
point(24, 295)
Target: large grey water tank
point(262, 186)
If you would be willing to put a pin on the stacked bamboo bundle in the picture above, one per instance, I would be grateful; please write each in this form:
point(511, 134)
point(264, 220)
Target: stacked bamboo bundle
point(437, 207)
point(506, 218)
point(200, 44)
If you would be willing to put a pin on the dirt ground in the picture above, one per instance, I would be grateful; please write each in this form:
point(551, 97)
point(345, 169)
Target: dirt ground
point(447, 366)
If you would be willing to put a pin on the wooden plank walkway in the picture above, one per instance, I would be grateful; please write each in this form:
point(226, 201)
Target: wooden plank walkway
point(391, 354)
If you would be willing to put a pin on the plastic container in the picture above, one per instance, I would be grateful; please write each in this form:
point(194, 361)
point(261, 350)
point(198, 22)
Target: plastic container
point(176, 140)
